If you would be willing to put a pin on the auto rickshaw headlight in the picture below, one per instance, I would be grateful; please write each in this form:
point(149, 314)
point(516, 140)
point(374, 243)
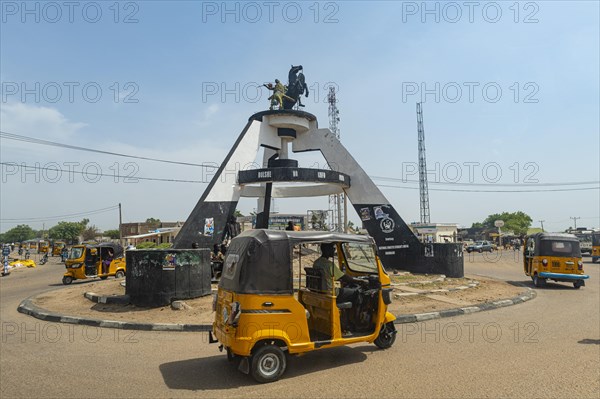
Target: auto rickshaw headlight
point(545, 262)
point(76, 265)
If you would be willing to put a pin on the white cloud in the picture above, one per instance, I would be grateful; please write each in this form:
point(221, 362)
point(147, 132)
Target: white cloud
point(37, 121)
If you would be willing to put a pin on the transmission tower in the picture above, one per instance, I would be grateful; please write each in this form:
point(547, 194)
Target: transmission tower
point(337, 201)
point(423, 187)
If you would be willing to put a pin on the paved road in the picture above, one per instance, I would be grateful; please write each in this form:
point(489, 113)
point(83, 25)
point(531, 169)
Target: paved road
point(548, 347)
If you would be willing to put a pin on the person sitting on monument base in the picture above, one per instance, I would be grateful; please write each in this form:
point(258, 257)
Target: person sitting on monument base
point(329, 269)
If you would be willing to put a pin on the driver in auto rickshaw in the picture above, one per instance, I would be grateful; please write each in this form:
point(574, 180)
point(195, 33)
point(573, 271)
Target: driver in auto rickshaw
point(328, 269)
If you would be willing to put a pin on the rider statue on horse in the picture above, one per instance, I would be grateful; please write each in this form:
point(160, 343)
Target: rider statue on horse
point(285, 97)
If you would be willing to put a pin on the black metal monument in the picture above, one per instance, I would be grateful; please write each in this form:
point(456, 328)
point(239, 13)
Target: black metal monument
point(278, 131)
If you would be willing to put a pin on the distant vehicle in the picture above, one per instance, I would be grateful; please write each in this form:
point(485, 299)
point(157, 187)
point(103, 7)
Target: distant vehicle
point(585, 241)
point(595, 246)
point(553, 256)
point(480, 246)
point(57, 248)
point(43, 247)
point(90, 261)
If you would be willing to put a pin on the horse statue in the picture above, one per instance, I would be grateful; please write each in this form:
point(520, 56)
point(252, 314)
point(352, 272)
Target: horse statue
point(295, 88)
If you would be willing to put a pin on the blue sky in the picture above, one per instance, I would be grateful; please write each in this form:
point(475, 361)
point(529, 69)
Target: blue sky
point(155, 72)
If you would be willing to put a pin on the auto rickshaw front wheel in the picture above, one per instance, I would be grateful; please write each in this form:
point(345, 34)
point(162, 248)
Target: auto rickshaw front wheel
point(268, 363)
point(67, 280)
point(387, 336)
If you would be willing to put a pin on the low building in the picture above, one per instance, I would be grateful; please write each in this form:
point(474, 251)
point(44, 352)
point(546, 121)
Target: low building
point(159, 236)
point(435, 232)
point(138, 232)
point(137, 228)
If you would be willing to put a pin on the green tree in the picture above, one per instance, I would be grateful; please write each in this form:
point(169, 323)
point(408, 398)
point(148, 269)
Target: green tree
point(89, 233)
point(19, 233)
point(518, 222)
point(69, 231)
point(237, 213)
point(114, 234)
point(146, 245)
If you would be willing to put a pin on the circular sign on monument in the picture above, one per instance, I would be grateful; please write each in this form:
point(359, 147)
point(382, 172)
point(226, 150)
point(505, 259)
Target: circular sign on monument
point(499, 223)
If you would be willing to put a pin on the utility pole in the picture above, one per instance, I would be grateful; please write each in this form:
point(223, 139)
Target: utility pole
point(575, 221)
point(542, 223)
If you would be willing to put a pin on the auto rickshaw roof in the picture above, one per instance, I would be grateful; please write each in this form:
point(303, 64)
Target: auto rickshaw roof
point(555, 236)
point(298, 237)
point(117, 248)
point(259, 261)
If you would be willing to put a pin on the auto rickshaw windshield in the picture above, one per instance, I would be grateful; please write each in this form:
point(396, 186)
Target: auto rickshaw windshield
point(560, 248)
point(360, 257)
point(76, 253)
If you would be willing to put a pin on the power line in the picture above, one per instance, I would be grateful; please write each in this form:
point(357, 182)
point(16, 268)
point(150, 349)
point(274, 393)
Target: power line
point(115, 176)
point(395, 179)
point(33, 140)
point(11, 136)
point(496, 191)
point(67, 216)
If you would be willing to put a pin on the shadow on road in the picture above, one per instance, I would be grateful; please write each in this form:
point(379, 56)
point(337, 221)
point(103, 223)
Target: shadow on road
point(75, 282)
point(549, 285)
point(216, 372)
point(589, 341)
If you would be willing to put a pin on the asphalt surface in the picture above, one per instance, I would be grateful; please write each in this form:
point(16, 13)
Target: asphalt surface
point(547, 347)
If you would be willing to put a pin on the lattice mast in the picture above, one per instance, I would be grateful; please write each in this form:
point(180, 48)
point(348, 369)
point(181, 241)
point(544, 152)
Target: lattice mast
point(336, 202)
point(423, 186)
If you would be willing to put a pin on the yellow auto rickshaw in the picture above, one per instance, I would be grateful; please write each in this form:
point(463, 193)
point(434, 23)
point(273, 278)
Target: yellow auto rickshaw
point(43, 247)
point(90, 261)
point(553, 256)
point(273, 302)
point(58, 247)
point(595, 246)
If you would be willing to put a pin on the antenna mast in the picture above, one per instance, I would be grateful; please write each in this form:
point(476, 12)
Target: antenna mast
point(423, 187)
point(337, 202)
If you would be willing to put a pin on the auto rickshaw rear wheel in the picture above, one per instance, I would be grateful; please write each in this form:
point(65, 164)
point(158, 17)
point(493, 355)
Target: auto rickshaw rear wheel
point(268, 363)
point(103, 277)
point(577, 284)
point(387, 336)
point(538, 281)
point(119, 274)
point(67, 280)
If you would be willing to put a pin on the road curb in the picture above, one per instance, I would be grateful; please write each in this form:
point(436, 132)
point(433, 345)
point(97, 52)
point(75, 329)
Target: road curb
point(29, 308)
point(412, 318)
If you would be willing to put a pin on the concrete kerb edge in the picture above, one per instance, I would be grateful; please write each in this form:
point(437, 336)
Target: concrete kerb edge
point(29, 308)
point(528, 295)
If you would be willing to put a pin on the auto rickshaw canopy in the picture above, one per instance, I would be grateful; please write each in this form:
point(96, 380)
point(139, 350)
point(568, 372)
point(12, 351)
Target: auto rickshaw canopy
point(116, 248)
point(259, 261)
point(544, 244)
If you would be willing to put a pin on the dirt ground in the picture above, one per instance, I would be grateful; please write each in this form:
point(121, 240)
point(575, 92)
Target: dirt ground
point(70, 301)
